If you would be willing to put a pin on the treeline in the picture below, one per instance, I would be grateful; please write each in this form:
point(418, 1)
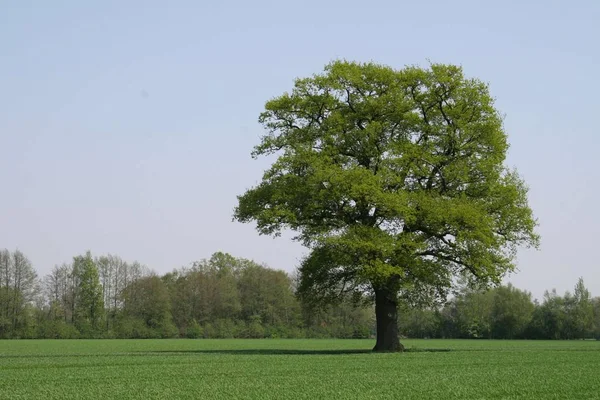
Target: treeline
point(226, 297)
point(506, 312)
point(107, 297)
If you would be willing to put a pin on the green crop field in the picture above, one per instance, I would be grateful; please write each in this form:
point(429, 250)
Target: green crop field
point(297, 369)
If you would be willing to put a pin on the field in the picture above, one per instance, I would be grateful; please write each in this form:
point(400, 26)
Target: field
point(297, 369)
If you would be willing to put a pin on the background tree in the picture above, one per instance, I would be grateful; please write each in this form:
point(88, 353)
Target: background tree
point(343, 319)
point(511, 313)
point(394, 179)
point(225, 296)
point(18, 287)
point(419, 322)
point(147, 301)
point(583, 311)
point(266, 296)
point(106, 271)
point(7, 295)
point(218, 296)
point(56, 286)
point(549, 318)
point(89, 304)
point(469, 314)
point(596, 323)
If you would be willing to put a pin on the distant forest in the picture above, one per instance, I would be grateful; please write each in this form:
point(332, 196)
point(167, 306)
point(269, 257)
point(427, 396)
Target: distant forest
point(228, 297)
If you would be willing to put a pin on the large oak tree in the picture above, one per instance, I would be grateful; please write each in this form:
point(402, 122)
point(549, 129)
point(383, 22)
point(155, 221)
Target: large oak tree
point(395, 181)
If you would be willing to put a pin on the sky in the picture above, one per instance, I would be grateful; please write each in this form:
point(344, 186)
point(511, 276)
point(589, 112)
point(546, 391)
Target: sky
point(126, 126)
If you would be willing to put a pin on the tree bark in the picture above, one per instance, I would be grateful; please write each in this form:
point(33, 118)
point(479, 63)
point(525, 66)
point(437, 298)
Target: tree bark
point(386, 314)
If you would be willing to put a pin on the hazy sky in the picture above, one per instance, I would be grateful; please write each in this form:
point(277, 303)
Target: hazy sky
point(126, 126)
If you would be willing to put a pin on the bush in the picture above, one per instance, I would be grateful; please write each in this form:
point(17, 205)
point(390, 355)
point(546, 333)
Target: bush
point(255, 329)
point(168, 330)
point(209, 331)
point(57, 329)
point(194, 331)
point(225, 329)
point(132, 328)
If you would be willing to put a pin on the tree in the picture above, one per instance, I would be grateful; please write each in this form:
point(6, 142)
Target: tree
point(18, 286)
point(596, 323)
point(106, 270)
point(583, 311)
point(89, 304)
point(549, 318)
point(468, 314)
point(217, 286)
point(419, 322)
point(394, 179)
point(57, 291)
point(265, 294)
point(344, 319)
point(511, 313)
point(147, 299)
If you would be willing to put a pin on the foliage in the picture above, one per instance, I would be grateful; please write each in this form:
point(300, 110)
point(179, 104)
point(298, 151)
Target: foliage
point(506, 312)
point(229, 297)
point(511, 313)
point(596, 322)
point(89, 304)
point(147, 300)
point(394, 179)
point(391, 174)
point(18, 285)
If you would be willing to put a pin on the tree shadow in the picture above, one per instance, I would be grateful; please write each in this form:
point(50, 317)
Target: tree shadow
point(241, 352)
point(266, 352)
point(296, 352)
point(425, 350)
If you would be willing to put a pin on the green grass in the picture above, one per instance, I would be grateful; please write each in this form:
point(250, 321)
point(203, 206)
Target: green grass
point(297, 369)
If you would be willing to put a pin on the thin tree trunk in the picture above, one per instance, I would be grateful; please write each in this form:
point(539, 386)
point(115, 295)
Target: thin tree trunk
point(386, 313)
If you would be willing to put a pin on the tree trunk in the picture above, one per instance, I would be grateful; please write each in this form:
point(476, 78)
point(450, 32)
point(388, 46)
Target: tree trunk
point(386, 314)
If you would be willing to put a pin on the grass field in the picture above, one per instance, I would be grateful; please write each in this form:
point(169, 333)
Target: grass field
point(297, 369)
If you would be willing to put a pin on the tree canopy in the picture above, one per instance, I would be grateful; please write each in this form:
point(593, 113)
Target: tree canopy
point(394, 179)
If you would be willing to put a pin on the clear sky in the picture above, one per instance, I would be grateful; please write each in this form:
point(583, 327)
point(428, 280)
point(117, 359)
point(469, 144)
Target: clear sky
point(126, 126)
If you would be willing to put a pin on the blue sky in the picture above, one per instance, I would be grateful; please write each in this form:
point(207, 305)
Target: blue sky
point(126, 127)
